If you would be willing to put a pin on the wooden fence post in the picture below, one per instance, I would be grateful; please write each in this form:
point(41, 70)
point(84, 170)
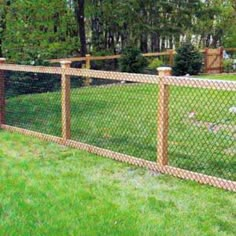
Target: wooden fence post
point(163, 116)
point(2, 94)
point(171, 57)
point(65, 102)
point(88, 66)
point(88, 61)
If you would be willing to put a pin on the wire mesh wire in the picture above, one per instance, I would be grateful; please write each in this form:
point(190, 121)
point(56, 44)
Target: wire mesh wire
point(202, 131)
point(117, 116)
point(33, 101)
point(110, 113)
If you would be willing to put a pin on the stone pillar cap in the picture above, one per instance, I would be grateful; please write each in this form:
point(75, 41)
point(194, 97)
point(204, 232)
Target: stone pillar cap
point(2, 59)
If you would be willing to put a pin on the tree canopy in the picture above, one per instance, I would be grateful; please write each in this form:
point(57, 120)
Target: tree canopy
point(31, 31)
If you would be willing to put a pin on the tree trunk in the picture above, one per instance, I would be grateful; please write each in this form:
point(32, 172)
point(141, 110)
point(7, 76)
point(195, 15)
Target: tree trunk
point(1, 55)
point(207, 41)
point(79, 10)
point(171, 45)
point(154, 42)
point(144, 43)
point(163, 43)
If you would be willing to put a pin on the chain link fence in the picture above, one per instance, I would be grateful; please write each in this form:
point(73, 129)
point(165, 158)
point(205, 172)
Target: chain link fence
point(182, 126)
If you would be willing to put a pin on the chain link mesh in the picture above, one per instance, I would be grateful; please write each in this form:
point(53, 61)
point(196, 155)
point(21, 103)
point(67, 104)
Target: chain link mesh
point(33, 101)
point(202, 131)
point(117, 115)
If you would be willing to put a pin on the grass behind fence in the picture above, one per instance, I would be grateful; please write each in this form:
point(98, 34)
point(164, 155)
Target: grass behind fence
point(124, 119)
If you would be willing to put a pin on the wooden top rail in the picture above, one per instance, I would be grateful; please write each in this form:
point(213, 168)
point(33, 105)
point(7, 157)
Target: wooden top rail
point(153, 54)
point(34, 69)
point(101, 58)
point(91, 58)
point(121, 76)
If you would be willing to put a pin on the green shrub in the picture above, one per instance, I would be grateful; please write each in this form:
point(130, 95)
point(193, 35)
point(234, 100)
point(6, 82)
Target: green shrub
point(132, 61)
point(187, 61)
point(228, 65)
point(154, 64)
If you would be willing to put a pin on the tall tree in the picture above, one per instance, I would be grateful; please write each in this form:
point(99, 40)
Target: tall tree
point(60, 27)
point(4, 6)
point(38, 30)
point(80, 17)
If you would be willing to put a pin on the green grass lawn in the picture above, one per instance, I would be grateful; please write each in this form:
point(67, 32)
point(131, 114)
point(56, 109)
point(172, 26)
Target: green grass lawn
point(231, 77)
point(48, 189)
point(124, 119)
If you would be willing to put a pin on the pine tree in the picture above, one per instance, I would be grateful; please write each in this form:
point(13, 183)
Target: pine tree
point(187, 61)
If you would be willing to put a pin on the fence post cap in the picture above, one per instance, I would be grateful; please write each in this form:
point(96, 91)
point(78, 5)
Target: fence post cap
point(162, 68)
point(2, 60)
point(65, 62)
point(164, 71)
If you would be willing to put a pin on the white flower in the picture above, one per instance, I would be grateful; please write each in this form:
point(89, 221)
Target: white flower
point(232, 110)
point(191, 115)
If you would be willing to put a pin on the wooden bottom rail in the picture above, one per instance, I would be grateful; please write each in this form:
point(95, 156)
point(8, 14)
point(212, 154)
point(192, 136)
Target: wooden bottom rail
point(177, 172)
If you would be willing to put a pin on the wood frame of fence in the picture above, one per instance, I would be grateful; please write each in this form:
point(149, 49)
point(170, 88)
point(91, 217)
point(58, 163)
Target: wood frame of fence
point(88, 58)
point(164, 82)
point(169, 53)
